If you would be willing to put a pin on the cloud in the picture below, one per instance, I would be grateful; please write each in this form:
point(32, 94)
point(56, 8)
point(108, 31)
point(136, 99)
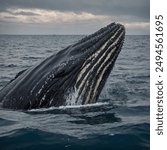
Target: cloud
point(47, 16)
point(74, 14)
point(138, 25)
point(137, 8)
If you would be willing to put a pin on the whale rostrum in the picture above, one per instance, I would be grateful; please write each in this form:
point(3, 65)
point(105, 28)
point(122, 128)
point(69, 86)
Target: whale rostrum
point(74, 76)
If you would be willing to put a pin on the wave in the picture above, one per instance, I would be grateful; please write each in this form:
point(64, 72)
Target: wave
point(27, 138)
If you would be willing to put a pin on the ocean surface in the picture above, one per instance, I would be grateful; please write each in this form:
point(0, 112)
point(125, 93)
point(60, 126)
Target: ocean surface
point(118, 121)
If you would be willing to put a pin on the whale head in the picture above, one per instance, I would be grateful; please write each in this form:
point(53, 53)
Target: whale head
point(93, 58)
point(74, 75)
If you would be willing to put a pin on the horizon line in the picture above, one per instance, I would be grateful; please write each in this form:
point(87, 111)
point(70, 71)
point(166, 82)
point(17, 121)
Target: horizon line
point(60, 34)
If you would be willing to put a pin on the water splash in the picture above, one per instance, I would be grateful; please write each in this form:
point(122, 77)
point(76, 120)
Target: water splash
point(72, 97)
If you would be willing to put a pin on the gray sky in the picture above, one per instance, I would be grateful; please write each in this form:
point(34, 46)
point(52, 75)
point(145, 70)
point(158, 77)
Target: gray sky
point(72, 16)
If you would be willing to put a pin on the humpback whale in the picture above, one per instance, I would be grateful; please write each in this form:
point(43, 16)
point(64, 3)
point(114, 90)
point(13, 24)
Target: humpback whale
point(72, 76)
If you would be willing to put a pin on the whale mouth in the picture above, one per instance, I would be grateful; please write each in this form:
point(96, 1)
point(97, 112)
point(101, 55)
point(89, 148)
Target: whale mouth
point(97, 67)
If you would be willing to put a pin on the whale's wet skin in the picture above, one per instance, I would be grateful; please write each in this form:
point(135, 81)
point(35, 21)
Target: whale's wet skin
point(73, 76)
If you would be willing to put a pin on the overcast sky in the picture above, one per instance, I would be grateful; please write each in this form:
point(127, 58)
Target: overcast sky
point(72, 16)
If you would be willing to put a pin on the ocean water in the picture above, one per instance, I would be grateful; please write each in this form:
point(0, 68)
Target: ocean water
point(118, 121)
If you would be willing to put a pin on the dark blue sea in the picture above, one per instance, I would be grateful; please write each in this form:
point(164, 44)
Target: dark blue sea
point(118, 121)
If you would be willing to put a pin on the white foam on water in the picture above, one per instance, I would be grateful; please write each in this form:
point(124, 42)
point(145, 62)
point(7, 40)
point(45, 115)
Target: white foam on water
point(83, 106)
point(71, 98)
point(70, 107)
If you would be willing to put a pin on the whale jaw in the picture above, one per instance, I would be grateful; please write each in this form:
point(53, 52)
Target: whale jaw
point(75, 75)
point(97, 67)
